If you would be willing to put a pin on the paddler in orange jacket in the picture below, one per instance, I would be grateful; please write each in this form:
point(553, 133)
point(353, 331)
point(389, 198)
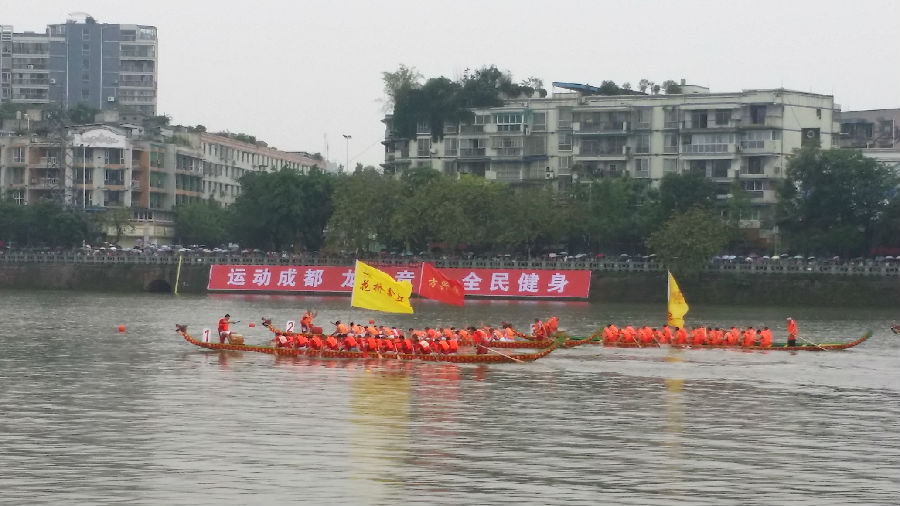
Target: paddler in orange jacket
point(765, 337)
point(610, 334)
point(552, 325)
point(792, 332)
point(665, 335)
point(680, 337)
point(341, 329)
point(537, 329)
point(306, 321)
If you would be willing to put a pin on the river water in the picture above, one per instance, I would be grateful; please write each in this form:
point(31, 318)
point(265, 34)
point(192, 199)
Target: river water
point(89, 415)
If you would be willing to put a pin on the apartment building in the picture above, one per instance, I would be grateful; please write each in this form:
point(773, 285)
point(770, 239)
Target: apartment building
point(97, 167)
point(875, 132)
point(573, 137)
point(103, 65)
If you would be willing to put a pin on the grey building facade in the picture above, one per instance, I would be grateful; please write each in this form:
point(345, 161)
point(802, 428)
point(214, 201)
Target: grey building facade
point(105, 66)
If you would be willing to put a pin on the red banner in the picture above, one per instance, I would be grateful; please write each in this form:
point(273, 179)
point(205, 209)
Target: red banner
point(512, 283)
point(436, 285)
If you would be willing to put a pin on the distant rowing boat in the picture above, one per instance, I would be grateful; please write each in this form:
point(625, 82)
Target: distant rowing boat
point(775, 347)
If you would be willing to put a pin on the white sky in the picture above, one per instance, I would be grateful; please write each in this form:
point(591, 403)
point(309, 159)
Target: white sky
point(293, 72)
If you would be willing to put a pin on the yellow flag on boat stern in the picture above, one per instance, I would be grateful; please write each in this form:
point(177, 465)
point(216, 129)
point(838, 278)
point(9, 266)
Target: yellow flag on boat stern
point(374, 289)
point(677, 305)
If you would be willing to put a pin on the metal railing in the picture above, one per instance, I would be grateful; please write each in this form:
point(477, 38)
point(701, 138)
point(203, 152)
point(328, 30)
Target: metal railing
point(799, 268)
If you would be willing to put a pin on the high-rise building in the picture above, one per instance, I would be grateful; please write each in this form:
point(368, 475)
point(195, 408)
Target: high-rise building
point(106, 66)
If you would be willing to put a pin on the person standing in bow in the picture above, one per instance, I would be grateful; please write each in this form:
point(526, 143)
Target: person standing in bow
point(792, 332)
point(224, 333)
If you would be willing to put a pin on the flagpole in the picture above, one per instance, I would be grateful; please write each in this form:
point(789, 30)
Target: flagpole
point(353, 290)
point(421, 274)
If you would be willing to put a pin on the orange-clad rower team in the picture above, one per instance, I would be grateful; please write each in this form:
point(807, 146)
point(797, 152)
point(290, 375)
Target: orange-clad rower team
point(698, 336)
point(383, 339)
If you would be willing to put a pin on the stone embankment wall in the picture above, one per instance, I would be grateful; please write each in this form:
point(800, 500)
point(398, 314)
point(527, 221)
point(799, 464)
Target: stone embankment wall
point(721, 288)
point(806, 289)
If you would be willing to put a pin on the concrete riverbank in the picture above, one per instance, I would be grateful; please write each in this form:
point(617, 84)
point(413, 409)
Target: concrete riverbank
point(610, 282)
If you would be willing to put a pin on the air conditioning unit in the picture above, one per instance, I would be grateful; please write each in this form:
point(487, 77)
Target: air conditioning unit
point(110, 99)
point(624, 126)
point(53, 81)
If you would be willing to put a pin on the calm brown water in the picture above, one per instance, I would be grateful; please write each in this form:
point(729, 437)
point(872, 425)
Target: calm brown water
point(91, 416)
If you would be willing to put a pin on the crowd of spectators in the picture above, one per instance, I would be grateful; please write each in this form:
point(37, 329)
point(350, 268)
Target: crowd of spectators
point(233, 250)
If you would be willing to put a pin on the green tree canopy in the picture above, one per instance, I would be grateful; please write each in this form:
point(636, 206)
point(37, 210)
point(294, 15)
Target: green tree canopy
point(680, 192)
point(688, 240)
point(283, 209)
point(203, 222)
point(832, 201)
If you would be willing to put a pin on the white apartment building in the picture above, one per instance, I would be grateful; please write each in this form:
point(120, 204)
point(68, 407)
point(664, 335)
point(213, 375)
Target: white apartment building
point(97, 167)
point(570, 137)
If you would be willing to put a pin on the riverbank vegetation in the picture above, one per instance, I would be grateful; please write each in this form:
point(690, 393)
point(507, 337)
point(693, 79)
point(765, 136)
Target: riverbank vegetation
point(834, 202)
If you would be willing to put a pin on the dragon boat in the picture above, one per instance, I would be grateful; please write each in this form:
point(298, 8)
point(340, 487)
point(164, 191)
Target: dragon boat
point(522, 342)
point(808, 346)
point(490, 355)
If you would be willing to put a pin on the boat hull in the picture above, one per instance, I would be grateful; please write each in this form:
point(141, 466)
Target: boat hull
point(491, 356)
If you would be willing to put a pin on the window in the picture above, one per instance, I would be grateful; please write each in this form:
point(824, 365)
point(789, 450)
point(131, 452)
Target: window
point(565, 162)
point(641, 167)
point(18, 154)
point(757, 114)
point(508, 122)
point(114, 177)
point(698, 119)
point(642, 117)
point(723, 116)
point(670, 165)
point(482, 119)
point(451, 146)
point(507, 146)
point(472, 147)
point(707, 143)
point(564, 141)
point(423, 148)
point(18, 197)
point(565, 118)
point(671, 143)
point(643, 144)
point(671, 118)
point(754, 185)
point(539, 121)
point(85, 93)
point(755, 165)
point(422, 127)
point(85, 34)
point(756, 139)
point(720, 168)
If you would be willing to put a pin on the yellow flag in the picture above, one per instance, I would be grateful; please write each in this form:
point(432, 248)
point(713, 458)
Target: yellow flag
point(677, 305)
point(374, 289)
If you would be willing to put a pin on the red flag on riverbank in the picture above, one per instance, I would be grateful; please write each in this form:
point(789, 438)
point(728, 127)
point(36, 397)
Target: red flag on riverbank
point(434, 284)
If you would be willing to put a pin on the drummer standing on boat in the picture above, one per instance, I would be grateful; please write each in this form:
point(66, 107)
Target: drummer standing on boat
point(792, 331)
point(224, 333)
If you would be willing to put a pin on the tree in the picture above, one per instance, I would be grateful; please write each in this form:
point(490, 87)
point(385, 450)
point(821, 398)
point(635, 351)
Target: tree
point(736, 207)
point(201, 222)
point(680, 192)
point(283, 209)
point(688, 240)
point(82, 114)
point(353, 226)
point(117, 220)
point(832, 201)
point(404, 78)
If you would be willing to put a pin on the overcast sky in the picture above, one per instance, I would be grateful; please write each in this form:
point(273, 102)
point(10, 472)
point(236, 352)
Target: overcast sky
point(293, 73)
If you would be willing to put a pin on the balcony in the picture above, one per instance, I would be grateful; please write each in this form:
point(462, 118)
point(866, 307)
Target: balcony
point(708, 149)
point(44, 183)
point(603, 128)
point(760, 146)
point(48, 161)
point(472, 153)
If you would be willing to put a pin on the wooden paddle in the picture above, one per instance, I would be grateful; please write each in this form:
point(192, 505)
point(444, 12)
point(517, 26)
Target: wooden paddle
point(812, 343)
point(505, 355)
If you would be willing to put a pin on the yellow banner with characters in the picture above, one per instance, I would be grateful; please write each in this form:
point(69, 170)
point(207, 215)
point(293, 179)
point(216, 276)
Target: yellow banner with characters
point(375, 289)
